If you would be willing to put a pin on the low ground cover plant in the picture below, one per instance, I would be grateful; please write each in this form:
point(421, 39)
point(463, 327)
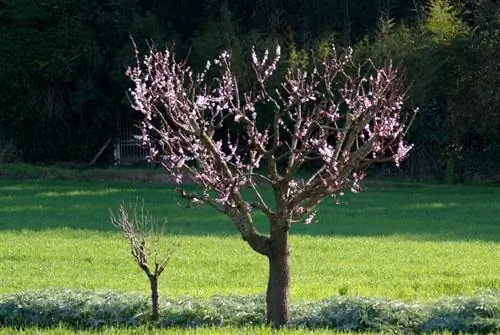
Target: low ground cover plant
point(94, 310)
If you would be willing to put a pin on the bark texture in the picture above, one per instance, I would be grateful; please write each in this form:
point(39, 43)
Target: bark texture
point(153, 280)
point(278, 311)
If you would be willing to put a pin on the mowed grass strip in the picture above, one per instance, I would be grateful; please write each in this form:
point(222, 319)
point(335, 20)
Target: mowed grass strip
point(416, 242)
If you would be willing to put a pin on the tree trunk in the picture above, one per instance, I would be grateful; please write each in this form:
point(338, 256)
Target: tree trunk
point(153, 280)
point(278, 311)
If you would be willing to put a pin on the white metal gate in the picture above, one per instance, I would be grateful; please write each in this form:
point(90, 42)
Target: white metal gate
point(128, 148)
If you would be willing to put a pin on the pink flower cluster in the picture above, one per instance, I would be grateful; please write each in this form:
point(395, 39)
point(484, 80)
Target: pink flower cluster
point(333, 114)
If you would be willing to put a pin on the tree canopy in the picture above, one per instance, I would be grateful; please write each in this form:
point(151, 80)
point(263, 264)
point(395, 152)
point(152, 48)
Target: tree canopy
point(63, 87)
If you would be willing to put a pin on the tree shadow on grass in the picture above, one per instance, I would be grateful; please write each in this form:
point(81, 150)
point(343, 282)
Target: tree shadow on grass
point(423, 212)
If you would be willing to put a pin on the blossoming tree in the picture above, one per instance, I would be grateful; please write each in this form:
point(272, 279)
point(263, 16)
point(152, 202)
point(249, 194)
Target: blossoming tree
point(344, 116)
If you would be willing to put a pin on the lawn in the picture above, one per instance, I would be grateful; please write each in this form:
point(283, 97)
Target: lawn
point(408, 242)
point(419, 242)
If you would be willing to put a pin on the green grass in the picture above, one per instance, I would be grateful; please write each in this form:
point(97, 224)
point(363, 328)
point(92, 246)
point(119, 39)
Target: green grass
point(407, 243)
point(196, 331)
point(82, 172)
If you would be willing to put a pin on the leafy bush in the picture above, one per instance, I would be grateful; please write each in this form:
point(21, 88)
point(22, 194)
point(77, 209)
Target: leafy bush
point(79, 309)
point(362, 314)
point(90, 310)
point(455, 132)
point(218, 311)
point(8, 152)
point(469, 315)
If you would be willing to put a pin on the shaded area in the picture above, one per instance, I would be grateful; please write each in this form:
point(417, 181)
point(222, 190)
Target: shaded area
point(421, 212)
point(91, 310)
point(63, 87)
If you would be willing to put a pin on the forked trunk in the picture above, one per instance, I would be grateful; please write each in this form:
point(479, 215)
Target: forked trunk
point(153, 280)
point(278, 311)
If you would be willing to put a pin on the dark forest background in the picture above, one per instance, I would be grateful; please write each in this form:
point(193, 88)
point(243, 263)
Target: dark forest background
point(63, 87)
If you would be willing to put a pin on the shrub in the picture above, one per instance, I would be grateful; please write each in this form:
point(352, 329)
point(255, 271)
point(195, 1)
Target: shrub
point(78, 309)
point(90, 310)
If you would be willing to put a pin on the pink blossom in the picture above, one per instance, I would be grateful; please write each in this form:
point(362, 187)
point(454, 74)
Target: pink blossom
point(310, 218)
point(183, 113)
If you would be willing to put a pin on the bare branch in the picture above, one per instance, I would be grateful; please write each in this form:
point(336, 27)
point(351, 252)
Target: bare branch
point(344, 116)
point(144, 236)
point(260, 204)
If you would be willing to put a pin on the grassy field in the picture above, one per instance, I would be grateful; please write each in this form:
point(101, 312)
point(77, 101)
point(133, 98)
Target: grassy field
point(409, 242)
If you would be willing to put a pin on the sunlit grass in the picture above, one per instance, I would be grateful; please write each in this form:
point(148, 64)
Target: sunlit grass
point(204, 266)
point(404, 243)
point(181, 331)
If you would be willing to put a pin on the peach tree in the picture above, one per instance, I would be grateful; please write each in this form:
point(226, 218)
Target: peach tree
point(341, 116)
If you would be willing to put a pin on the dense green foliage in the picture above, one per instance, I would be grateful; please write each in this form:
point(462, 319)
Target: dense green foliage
point(453, 65)
point(91, 310)
point(63, 89)
point(146, 330)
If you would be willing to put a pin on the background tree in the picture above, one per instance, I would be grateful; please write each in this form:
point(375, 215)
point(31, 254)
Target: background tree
point(441, 52)
point(62, 89)
point(343, 116)
point(144, 234)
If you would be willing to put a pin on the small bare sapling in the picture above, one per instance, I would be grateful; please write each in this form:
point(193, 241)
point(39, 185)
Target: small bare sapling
point(144, 235)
